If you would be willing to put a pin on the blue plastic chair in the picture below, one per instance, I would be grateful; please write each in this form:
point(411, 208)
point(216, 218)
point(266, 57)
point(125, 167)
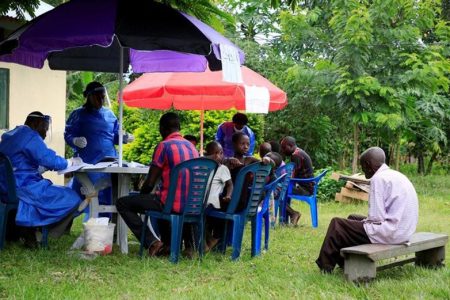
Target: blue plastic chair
point(264, 214)
point(200, 172)
point(259, 173)
point(279, 205)
point(9, 201)
point(310, 199)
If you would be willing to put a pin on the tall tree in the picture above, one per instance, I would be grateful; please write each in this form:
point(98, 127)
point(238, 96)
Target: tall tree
point(19, 7)
point(380, 53)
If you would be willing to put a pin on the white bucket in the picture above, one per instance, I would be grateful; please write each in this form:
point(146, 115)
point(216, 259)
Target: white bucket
point(98, 238)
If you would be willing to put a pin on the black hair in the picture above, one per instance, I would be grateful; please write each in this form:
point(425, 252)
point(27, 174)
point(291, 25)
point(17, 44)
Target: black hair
point(290, 140)
point(190, 137)
point(264, 148)
point(275, 146)
point(33, 117)
point(170, 121)
point(211, 146)
point(240, 118)
point(91, 87)
point(236, 136)
point(276, 157)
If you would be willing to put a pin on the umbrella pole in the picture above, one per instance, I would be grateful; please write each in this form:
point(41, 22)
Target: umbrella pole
point(120, 107)
point(202, 116)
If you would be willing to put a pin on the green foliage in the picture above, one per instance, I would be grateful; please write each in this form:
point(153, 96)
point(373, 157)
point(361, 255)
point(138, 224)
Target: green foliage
point(19, 7)
point(143, 124)
point(367, 65)
point(204, 10)
point(328, 188)
point(252, 17)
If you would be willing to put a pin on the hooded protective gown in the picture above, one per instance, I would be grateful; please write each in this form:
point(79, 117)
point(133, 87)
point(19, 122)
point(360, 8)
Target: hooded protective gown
point(40, 201)
point(99, 127)
point(101, 130)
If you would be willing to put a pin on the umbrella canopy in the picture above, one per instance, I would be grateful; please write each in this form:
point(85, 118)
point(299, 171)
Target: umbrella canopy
point(88, 35)
point(111, 35)
point(197, 91)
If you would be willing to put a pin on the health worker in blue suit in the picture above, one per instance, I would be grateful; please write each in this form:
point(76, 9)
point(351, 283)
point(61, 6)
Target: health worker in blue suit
point(40, 201)
point(92, 131)
point(226, 130)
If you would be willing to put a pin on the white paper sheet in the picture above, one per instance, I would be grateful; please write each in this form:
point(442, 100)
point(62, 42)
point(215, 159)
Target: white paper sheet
point(257, 99)
point(86, 166)
point(73, 168)
point(231, 67)
point(100, 165)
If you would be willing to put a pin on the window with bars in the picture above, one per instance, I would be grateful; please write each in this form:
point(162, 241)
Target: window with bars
point(4, 98)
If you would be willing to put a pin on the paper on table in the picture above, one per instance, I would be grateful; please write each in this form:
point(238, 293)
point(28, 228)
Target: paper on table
point(100, 165)
point(231, 67)
point(134, 164)
point(73, 168)
point(86, 166)
point(257, 99)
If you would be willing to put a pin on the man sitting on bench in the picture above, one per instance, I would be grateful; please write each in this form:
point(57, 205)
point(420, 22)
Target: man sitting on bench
point(393, 213)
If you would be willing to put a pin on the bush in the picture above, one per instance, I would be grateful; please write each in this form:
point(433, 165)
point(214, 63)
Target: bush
point(328, 188)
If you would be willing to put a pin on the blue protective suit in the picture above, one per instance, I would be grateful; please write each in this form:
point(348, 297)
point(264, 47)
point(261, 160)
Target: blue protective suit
point(40, 201)
point(99, 127)
point(224, 133)
point(101, 130)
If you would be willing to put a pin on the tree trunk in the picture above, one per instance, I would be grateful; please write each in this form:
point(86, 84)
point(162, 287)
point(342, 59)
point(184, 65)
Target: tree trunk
point(430, 163)
point(397, 162)
point(420, 164)
point(355, 148)
point(343, 160)
point(390, 155)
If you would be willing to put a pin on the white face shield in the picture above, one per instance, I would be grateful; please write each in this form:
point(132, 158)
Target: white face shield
point(48, 120)
point(104, 92)
point(107, 98)
point(48, 136)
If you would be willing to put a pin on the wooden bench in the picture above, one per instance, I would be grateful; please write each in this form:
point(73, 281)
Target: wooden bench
point(360, 261)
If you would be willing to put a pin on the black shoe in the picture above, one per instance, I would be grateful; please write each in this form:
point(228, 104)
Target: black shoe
point(29, 240)
point(324, 269)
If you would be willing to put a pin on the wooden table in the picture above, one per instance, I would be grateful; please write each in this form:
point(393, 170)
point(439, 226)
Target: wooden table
point(123, 189)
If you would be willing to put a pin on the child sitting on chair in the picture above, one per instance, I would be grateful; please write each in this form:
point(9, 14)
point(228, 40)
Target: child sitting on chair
point(222, 179)
point(241, 144)
point(219, 194)
point(278, 160)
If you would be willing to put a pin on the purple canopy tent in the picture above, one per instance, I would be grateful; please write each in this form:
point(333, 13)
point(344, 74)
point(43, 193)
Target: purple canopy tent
point(111, 36)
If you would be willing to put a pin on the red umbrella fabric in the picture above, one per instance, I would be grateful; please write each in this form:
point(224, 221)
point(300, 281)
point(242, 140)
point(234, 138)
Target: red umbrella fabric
point(197, 91)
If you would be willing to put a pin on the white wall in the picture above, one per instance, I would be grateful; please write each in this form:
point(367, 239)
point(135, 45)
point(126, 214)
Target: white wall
point(41, 90)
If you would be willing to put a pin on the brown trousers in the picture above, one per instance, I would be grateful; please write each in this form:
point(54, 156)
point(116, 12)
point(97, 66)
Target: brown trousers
point(341, 233)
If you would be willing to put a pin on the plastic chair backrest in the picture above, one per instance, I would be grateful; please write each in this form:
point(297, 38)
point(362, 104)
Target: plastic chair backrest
point(7, 181)
point(317, 179)
point(287, 169)
point(259, 173)
point(270, 187)
point(199, 173)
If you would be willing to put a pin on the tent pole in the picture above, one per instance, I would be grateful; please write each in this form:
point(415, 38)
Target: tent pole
point(202, 117)
point(121, 107)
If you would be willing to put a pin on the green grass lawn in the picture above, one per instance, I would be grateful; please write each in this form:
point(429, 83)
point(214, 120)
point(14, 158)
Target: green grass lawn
point(287, 270)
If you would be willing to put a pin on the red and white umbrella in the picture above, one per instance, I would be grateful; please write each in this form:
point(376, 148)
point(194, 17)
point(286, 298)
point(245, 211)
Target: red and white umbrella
point(199, 91)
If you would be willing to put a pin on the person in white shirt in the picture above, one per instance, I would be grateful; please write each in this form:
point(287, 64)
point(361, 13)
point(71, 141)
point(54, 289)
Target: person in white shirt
point(393, 213)
point(220, 192)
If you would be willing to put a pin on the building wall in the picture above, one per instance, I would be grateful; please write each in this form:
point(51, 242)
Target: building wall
point(41, 90)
